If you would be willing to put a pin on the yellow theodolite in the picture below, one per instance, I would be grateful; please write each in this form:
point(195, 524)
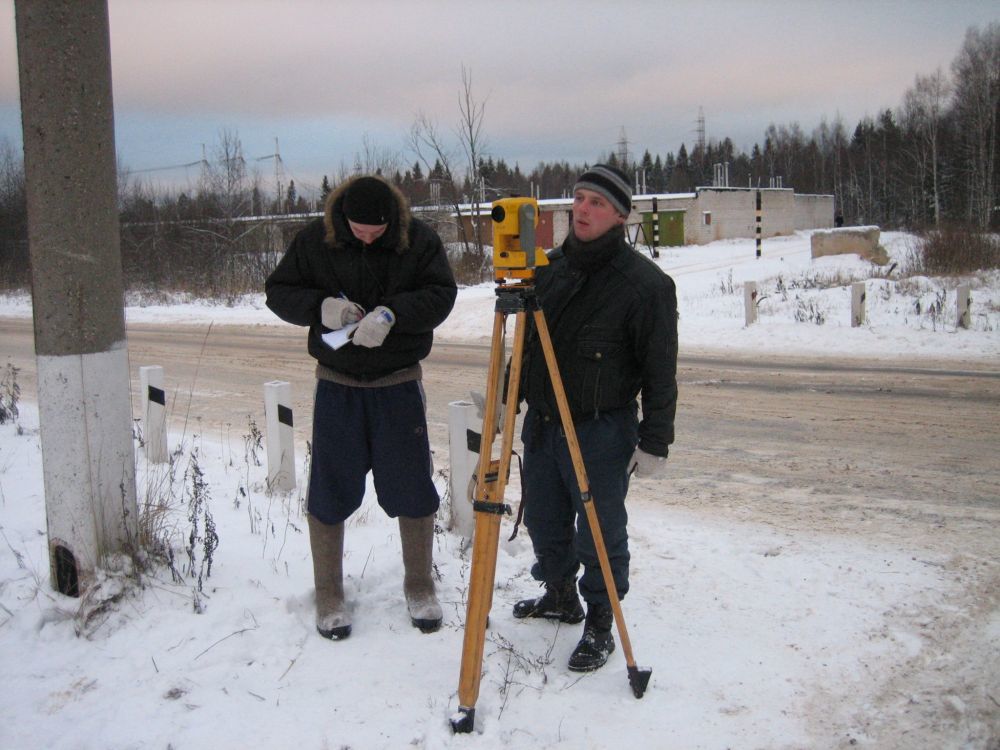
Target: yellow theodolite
point(515, 254)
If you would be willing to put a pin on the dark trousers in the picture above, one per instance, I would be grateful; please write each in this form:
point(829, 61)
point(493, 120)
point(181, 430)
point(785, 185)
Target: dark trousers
point(382, 430)
point(554, 513)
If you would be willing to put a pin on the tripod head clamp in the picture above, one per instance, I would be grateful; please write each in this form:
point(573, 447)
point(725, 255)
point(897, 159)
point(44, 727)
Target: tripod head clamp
point(515, 254)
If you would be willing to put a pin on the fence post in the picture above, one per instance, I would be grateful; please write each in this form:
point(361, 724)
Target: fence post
point(750, 301)
point(154, 413)
point(463, 445)
point(964, 303)
point(280, 435)
point(858, 316)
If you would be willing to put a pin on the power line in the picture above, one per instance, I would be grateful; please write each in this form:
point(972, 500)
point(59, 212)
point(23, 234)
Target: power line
point(172, 166)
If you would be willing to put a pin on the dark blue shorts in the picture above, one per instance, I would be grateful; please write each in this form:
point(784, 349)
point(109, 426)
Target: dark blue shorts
point(382, 430)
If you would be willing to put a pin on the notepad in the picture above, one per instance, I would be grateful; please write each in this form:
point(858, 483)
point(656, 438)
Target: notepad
point(336, 339)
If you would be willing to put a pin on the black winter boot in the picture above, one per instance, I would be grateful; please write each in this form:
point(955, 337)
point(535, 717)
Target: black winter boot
point(559, 602)
point(597, 643)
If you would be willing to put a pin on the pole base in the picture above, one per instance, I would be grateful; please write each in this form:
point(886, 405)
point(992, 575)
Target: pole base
point(639, 679)
point(464, 721)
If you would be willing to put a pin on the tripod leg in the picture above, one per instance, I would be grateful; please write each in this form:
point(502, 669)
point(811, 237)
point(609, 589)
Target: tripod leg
point(481, 577)
point(638, 678)
point(492, 481)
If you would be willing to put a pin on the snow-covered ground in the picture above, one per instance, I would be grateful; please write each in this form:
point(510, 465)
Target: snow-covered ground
point(751, 631)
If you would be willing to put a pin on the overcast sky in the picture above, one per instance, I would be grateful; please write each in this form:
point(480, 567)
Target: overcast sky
point(560, 78)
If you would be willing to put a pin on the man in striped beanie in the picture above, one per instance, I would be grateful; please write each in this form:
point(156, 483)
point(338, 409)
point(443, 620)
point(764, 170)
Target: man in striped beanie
point(612, 317)
point(612, 186)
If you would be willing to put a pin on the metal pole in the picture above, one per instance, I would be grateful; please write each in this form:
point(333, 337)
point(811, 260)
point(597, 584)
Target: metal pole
point(64, 62)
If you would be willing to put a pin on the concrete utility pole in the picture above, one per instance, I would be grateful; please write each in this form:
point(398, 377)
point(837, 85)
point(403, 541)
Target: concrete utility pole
point(64, 62)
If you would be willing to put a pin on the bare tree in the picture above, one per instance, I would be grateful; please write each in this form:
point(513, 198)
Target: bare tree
point(225, 178)
point(922, 114)
point(470, 134)
point(375, 159)
point(14, 267)
point(426, 142)
point(977, 100)
point(11, 176)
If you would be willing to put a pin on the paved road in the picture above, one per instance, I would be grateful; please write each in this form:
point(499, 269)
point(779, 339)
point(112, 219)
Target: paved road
point(920, 433)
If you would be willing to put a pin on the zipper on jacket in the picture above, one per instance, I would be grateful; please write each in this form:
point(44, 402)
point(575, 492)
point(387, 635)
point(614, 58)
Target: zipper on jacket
point(597, 394)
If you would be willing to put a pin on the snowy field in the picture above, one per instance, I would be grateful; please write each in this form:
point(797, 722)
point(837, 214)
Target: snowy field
point(804, 308)
point(757, 637)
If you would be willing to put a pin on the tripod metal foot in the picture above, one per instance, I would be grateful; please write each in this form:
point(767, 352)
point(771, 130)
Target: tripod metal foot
point(639, 679)
point(463, 721)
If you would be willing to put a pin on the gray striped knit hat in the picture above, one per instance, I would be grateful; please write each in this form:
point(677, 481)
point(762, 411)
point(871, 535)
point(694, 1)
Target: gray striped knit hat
point(609, 182)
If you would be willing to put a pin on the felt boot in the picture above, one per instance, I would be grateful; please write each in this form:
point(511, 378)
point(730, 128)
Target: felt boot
point(417, 536)
point(327, 543)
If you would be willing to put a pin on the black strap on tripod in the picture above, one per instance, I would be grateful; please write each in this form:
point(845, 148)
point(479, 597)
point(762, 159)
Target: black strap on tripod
point(520, 505)
point(481, 506)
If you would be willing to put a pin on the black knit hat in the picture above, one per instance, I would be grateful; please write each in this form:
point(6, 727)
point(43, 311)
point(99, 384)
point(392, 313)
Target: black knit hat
point(609, 182)
point(368, 200)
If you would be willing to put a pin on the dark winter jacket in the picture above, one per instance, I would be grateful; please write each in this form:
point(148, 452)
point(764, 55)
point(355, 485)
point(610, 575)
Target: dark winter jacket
point(612, 317)
point(405, 269)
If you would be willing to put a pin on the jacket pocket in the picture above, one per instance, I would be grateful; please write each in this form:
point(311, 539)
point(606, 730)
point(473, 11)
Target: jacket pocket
point(600, 352)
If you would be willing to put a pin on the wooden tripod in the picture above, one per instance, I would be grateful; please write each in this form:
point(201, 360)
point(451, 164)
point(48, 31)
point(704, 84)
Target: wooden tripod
point(491, 483)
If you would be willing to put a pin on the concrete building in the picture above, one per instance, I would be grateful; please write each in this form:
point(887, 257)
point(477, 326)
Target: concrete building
point(706, 215)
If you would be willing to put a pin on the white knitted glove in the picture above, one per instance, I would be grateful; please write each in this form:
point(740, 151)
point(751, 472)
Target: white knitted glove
point(337, 312)
point(374, 327)
point(646, 465)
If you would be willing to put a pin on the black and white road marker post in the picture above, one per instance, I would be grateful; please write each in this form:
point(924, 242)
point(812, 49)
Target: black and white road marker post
point(963, 302)
point(463, 444)
point(750, 302)
point(280, 436)
point(858, 315)
point(154, 413)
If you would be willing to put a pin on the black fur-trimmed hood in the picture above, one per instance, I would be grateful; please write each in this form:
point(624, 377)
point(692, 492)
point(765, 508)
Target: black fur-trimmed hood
point(397, 236)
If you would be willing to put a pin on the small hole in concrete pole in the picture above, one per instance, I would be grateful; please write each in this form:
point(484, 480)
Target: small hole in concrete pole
point(67, 580)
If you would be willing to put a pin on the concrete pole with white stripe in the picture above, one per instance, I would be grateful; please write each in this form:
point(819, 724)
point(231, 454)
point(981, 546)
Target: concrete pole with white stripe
point(84, 407)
